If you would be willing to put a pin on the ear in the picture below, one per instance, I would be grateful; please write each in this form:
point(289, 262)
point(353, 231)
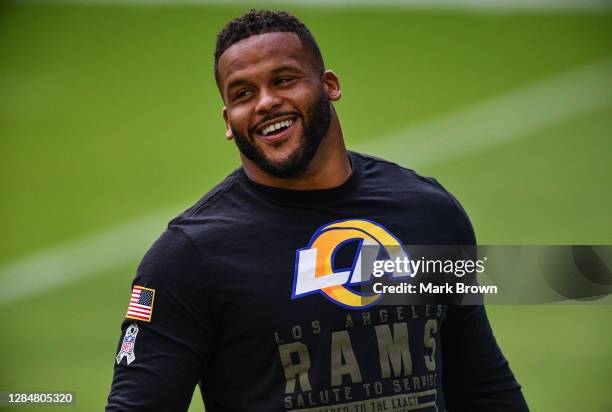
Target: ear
point(331, 85)
point(228, 130)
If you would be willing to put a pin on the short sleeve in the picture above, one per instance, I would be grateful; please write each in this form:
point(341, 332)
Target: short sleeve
point(171, 350)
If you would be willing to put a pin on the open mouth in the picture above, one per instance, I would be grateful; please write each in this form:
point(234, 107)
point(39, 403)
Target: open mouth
point(276, 129)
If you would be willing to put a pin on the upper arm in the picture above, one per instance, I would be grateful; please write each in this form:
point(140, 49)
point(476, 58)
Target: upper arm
point(172, 349)
point(476, 375)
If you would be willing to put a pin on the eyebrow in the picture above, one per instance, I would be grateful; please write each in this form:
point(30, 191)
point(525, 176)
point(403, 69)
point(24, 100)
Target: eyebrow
point(286, 67)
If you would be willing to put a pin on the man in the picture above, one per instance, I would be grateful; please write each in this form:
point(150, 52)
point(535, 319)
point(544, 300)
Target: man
point(241, 292)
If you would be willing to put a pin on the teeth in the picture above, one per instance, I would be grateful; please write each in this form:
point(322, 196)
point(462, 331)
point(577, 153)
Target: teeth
point(276, 126)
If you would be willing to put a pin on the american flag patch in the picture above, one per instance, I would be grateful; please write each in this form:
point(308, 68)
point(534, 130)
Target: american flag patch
point(141, 304)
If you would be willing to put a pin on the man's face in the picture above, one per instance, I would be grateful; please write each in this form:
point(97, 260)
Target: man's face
point(277, 107)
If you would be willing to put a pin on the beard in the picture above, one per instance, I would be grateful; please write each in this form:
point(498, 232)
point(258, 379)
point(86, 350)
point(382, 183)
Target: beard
point(314, 130)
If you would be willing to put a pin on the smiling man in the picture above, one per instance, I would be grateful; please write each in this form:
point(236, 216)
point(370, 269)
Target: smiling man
point(277, 108)
point(253, 292)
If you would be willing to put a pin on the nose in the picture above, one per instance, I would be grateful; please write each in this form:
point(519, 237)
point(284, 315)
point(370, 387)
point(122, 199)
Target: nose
point(267, 101)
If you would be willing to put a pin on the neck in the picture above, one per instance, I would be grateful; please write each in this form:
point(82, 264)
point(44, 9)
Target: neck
point(329, 168)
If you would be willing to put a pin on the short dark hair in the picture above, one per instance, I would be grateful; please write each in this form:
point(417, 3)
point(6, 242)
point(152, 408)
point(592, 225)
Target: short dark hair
point(265, 21)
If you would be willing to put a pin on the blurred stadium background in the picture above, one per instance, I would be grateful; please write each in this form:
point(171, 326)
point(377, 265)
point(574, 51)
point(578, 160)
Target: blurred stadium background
point(110, 125)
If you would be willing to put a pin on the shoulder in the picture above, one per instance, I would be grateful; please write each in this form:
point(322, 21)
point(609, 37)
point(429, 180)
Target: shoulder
point(220, 207)
point(172, 253)
point(400, 180)
point(218, 193)
point(177, 249)
point(416, 192)
point(398, 177)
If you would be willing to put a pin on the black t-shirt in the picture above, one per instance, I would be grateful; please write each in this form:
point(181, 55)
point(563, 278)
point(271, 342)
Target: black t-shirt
point(225, 298)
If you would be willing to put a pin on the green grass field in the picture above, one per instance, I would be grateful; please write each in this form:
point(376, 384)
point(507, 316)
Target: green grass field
point(108, 113)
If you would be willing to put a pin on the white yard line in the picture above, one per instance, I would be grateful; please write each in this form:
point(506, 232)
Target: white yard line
point(509, 116)
point(512, 115)
point(81, 257)
point(479, 5)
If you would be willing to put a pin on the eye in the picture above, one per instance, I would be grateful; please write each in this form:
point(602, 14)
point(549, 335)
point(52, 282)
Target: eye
point(284, 80)
point(243, 93)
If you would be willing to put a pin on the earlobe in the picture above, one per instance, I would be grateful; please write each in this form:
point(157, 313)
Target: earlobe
point(332, 85)
point(228, 130)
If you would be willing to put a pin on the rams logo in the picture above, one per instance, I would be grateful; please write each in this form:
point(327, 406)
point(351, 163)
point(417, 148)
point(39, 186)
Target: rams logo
point(315, 270)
